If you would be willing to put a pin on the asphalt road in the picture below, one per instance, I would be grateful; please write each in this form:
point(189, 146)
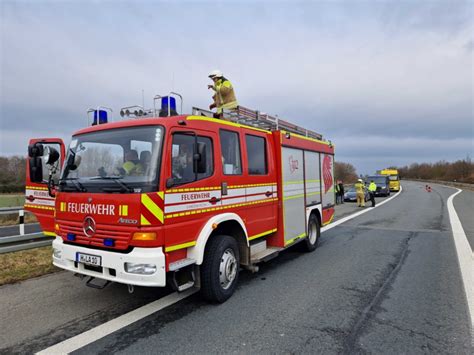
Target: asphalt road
point(464, 205)
point(387, 281)
point(6, 231)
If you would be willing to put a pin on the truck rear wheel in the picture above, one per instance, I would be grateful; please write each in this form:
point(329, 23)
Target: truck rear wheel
point(220, 268)
point(314, 232)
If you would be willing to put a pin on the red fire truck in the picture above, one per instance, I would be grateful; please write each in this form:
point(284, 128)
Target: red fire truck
point(187, 200)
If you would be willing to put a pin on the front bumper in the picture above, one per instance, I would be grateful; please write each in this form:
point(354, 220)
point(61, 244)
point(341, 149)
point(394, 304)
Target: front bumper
point(113, 261)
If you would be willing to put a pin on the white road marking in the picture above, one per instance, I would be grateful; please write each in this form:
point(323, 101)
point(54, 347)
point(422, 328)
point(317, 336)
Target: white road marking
point(465, 257)
point(94, 334)
point(367, 209)
point(109, 327)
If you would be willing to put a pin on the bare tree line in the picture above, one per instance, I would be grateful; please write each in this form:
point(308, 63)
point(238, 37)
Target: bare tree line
point(460, 171)
point(345, 172)
point(12, 172)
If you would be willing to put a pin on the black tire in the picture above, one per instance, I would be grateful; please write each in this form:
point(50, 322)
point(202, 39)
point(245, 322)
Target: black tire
point(314, 232)
point(219, 272)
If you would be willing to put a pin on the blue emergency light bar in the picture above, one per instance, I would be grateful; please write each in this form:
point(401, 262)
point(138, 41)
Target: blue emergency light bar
point(168, 99)
point(100, 116)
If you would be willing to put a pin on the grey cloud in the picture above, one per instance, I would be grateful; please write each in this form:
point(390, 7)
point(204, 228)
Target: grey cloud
point(447, 17)
point(370, 153)
point(469, 45)
point(336, 68)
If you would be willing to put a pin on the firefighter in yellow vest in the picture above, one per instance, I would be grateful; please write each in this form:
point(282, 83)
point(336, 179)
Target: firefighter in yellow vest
point(372, 188)
point(224, 97)
point(132, 165)
point(360, 193)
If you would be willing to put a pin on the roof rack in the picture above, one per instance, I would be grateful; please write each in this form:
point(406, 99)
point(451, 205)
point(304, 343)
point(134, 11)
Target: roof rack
point(257, 119)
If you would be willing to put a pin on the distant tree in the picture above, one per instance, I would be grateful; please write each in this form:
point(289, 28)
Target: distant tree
point(12, 174)
point(460, 170)
point(345, 172)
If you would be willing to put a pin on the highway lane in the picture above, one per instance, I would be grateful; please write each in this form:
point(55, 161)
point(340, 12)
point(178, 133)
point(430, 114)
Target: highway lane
point(386, 281)
point(464, 205)
point(6, 231)
point(61, 291)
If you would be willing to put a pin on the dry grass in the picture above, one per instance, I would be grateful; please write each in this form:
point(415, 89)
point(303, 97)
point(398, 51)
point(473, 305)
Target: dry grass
point(23, 265)
point(12, 200)
point(12, 219)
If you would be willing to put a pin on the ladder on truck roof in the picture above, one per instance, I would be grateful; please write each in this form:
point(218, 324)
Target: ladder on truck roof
point(255, 118)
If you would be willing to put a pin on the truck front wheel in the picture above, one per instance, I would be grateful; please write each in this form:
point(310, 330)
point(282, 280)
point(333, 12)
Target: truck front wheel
point(220, 268)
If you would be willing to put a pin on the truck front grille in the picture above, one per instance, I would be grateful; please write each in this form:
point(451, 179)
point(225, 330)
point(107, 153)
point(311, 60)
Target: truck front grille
point(121, 238)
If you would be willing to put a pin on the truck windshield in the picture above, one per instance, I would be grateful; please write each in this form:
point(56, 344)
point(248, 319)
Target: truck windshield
point(116, 160)
point(379, 180)
point(393, 177)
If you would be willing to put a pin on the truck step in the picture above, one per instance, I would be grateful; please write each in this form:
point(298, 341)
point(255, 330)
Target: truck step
point(265, 255)
point(185, 286)
point(97, 285)
point(258, 247)
point(180, 264)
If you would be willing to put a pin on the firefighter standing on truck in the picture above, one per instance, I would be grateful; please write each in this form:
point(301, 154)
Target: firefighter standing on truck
point(372, 189)
point(360, 193)
point(224, 97)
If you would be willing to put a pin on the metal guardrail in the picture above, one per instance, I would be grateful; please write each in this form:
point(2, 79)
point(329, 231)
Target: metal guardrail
point(10, 210)
point(460, 185)
point(24, 242)
point(21, 216)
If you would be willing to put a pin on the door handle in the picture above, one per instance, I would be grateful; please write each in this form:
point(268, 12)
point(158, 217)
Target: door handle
point(214, 200)
point(268, 193)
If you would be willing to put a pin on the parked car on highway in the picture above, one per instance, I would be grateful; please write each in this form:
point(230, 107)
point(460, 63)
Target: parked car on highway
point(382, 182)
point(350, 195)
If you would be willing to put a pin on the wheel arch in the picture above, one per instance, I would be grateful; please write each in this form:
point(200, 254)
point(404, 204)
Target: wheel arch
point(314, 210)
point(226, 223)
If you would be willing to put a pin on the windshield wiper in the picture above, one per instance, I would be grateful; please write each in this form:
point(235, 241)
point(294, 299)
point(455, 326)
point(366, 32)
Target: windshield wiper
point(75, 182)
point(118, 179)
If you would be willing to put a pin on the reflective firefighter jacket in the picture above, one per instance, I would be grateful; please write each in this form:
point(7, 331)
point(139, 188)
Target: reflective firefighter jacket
point(224, 96)
point(372, 187)
point(359, 187)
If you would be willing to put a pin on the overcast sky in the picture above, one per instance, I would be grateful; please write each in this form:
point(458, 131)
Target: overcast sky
point(389, 82)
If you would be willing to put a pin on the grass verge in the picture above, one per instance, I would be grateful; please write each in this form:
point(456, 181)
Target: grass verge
point(12, 219)
point(25, 264)
point(12, 200)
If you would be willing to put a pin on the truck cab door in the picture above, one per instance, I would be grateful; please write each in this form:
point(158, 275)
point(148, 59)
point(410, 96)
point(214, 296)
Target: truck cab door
point(38, 199)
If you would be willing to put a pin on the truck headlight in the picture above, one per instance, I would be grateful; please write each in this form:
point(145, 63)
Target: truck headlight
point(141, 269)
point(56, 253)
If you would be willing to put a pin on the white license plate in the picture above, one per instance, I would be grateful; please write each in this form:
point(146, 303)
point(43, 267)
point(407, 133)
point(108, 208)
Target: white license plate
point(89, 259)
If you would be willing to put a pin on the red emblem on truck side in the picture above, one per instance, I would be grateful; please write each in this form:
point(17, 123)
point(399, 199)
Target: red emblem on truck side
point(327, 173)
point(293, 164)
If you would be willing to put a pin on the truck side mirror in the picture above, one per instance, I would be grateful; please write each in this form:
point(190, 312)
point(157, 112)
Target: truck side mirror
point(36, 170)
point(35, 150)
point(200, 159)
